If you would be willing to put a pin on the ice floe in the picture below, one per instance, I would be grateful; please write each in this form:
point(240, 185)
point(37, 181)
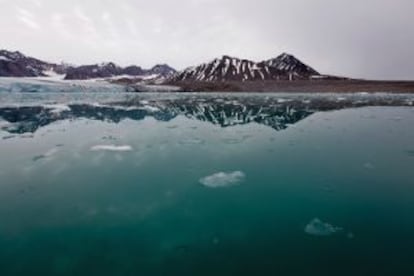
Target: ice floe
point(319, 228)
point(111, 148)
point(223, 179)
point(57, 108)
point(150, 108)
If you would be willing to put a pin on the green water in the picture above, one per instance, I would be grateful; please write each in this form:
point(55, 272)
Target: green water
point(95, 194)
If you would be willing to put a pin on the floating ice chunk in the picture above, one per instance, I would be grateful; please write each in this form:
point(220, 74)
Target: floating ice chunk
point(4, 124)
point(57, 108)
point(283, 100)
point(111, 148)
point(150, 108)
point(222, 179)
point(318, 228)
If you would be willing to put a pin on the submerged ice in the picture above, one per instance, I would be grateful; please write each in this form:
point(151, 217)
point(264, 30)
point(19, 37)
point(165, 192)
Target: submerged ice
point(319, 228)
point(222, 179)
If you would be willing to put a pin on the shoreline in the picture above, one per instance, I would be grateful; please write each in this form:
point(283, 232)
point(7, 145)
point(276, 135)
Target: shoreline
point(301, 86)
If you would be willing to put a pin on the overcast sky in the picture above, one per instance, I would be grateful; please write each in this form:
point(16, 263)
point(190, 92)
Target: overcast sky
point(357, 38)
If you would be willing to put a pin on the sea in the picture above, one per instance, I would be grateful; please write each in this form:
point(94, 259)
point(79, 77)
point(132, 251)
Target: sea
point(106, 183)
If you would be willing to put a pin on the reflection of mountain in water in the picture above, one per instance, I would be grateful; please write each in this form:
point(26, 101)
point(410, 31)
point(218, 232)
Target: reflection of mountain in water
point(270, 111)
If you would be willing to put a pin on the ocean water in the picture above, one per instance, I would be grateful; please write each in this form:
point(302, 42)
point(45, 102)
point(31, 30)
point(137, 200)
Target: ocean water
point(206, 184)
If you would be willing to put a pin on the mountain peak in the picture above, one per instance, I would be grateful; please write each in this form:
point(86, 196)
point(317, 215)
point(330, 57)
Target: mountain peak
point(286, 56)
point(163, 70)
point(289, 63)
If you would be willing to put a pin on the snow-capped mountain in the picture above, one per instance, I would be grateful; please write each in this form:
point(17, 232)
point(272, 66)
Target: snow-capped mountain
point(16, 64)
point(234, 69)
point(230, 69)
point(291, 64)
point(163, 70)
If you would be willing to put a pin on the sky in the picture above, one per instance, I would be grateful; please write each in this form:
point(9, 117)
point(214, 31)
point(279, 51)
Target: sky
point(355, 38)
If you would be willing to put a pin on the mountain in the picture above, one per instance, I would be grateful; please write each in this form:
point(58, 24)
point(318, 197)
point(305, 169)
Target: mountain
point(226, 68)
point(163, 70)
point(134, 70)
point(104, 70)
point(107, 70)
point(283, 67)
point(16, 64)
point(291, 64)
point(230, 69)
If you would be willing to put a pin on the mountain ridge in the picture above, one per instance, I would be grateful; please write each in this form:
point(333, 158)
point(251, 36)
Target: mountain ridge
point(225, 68)
point(16, 64)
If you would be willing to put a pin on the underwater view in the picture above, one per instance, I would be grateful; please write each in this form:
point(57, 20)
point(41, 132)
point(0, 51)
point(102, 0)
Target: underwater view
point(206, 184)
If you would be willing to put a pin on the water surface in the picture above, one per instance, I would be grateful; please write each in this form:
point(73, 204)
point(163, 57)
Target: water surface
point(206, 184)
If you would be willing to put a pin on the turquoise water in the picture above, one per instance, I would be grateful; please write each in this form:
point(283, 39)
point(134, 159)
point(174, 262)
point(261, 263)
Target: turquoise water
point(121, 184)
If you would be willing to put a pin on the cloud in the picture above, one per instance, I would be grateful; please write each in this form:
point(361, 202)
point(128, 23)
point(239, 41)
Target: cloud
point(114, 38)
point(222, 179)
point(131, 26)
point(60, 27)
point(88, 25)
point(37, 3)
point(27, 18)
